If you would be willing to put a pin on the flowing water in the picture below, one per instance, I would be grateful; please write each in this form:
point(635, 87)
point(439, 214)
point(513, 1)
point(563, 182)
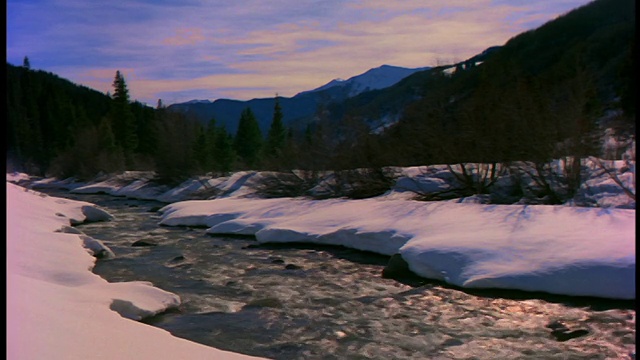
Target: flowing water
point(304, 302)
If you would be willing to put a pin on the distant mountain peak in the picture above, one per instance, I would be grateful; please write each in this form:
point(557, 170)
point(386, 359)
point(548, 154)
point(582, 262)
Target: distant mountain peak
point(372, 79)
point(197, 102)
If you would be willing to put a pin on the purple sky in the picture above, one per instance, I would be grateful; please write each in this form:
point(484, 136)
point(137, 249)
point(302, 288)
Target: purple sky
point(179, 50)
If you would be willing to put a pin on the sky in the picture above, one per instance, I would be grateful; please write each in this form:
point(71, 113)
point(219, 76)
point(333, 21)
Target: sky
point(181, 50)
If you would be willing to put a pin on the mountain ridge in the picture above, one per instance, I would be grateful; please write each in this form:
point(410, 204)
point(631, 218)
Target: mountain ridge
point(303, 105)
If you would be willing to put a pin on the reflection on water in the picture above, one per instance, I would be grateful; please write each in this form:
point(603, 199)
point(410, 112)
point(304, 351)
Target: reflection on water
point(331, 303)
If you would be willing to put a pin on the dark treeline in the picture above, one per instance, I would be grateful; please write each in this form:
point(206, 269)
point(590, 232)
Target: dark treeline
point(61, 129)
point(538, 97)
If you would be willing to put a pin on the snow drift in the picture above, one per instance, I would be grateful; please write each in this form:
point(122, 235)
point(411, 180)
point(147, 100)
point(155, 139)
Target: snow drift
point(555, 249)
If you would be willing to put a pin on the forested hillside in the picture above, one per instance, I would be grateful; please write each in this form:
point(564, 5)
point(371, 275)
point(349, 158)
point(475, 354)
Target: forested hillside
point(43, 113)
point(60, 128)
point(541, 95)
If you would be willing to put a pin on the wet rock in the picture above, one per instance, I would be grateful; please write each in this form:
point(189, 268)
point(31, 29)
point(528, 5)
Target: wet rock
point(341, 334)
point(561, 331)
point(97, 248)
point(95, 214)
point(563, 335)
point(179, 262)
point(277, 261)
point(251, 246)
point(155, 209)
point(70, 230)
point(144, 243)
point(452, 342)
point(102, 254)
point(397, 267)
point(557, 326)
point(367, 299)
point(292, 267)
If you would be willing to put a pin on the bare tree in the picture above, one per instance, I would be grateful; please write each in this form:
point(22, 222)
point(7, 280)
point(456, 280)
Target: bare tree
point(629, 163)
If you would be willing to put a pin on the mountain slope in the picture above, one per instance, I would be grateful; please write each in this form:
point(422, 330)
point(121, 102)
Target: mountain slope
point(539, 96)
point(297, 109)
point(383, 107)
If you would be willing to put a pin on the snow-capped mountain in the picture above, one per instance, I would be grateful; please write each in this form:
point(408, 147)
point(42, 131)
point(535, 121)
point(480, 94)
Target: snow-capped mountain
point(373, 79)
point(198, 102)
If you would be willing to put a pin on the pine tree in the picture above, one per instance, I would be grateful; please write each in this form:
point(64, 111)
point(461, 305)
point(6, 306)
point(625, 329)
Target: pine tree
point(123, 121)
point(200, 150)
point(277, 135)
point(248, 141)
point(146, 129)
point(120, 91)
point(223, 156)
point(25, 63)
point(210, 139)
point(106, 139)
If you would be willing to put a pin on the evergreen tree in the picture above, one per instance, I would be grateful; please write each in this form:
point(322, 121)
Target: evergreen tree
point(123, 121)
point(223, 156)
point(248, 141)
point(106, 139)
point(177, 136)
point(210, 139)
point(200, 150)
point(25, 63)
point(277, 135)
point(146, 129)
point(120, 91)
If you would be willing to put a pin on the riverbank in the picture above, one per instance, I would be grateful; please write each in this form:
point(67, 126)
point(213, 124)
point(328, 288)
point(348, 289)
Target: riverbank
point(563, 249)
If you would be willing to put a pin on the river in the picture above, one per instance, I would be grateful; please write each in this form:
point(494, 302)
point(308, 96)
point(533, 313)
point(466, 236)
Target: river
point(311, 302)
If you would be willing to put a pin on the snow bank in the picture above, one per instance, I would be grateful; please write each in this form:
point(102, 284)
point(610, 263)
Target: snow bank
point(58, 309)
point(556, 249)
point(603, 183)
point(599, 188)
point(17, 177)
point(54, 183)
point(139, 185)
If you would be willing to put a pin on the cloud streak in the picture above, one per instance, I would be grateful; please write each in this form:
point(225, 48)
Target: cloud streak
point(207, 49)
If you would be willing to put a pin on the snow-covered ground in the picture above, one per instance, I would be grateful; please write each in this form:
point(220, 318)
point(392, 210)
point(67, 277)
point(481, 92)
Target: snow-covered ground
point(58, 309)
